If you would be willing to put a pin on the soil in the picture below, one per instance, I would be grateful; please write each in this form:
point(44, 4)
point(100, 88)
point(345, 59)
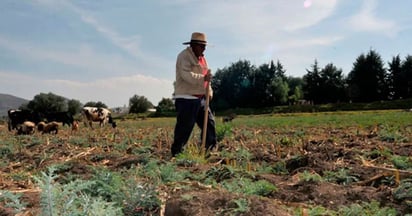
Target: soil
point(326, 150)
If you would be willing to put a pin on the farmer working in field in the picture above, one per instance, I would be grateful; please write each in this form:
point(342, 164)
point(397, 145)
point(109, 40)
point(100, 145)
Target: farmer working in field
point(192, 79)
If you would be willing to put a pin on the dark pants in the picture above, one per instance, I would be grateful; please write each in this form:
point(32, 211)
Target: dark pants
point(189, 112)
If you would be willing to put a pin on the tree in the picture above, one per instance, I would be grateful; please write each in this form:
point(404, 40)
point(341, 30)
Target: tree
point(98, 104)
point(45, 103)
point(406, 75)
point(165, 105)
point(332, 85)
point(279, 89)
point(279, 71)
point(232, 85)
point(311, 86)
point(139, 104)
point(295, 89)
point(262, 79)
point(74, 106)
point(395, 78)
point(368, 79)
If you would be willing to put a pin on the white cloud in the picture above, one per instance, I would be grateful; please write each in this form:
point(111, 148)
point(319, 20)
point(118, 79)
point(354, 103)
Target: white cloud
point(81, 56)
point(367, 21)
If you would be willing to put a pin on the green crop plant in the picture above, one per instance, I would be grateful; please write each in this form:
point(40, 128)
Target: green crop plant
point(391, 134)
point(242, 206)
point(367, 209)
point(106, 184)
point(169, 173)
point(239, 158)
point(162, 173)
point(12, 200)
point(71, 198)
point(379, 152)
point(79, 141)
point(191, 155)
point(249, 187)
point(141, 199)
point(6, 151)
point(342, 176)
point(309, 176)
point(314, 211)
point(220, 173)
point(20, 176)
point(403, 192)
point(222, 130)
point(402, 162)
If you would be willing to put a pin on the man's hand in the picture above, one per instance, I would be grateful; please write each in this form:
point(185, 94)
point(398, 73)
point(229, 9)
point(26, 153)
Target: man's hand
point(208, 76)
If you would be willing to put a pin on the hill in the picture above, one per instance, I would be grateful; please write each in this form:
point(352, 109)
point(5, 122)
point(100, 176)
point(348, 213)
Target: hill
point(8, 102)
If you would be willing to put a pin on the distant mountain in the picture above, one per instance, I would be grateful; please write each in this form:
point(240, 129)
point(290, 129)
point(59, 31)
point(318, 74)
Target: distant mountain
point(10, 102)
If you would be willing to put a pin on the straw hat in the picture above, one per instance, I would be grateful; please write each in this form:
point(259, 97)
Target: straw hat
point(197, 38)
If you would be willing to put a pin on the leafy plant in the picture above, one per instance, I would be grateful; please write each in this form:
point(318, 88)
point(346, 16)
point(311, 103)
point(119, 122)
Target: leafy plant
point(342, 176)
point(106, 184)
point(391, 134)
point(221, 173)
point(367, 209)
point(402, 162)
point(141, 199)
point(242, 206)
point(12, 200)
point(162, 173)
point(71, 198)
point(222, 130)
point(308, 176)
point(403, 192)
point(6, 152)
point(249, 187)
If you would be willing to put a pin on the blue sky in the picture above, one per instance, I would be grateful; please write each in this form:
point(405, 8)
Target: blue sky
point(108, 51)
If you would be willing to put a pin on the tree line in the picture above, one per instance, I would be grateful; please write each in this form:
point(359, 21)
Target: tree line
point(50, 102)
point(243, 85)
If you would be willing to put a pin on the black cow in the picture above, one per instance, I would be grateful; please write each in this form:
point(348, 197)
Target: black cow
point(17, 117)
point(63, 117)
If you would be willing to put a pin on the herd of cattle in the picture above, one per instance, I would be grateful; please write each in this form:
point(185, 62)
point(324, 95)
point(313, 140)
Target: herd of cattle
point(26, 122)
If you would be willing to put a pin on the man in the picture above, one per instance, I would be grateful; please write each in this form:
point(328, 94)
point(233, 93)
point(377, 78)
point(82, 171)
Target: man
point(192, 77)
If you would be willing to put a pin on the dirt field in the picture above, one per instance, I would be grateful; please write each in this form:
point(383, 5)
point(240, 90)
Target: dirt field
point(362, 154)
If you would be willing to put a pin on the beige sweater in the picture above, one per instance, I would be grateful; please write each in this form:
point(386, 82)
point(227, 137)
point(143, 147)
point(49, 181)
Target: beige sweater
point(189, 77)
